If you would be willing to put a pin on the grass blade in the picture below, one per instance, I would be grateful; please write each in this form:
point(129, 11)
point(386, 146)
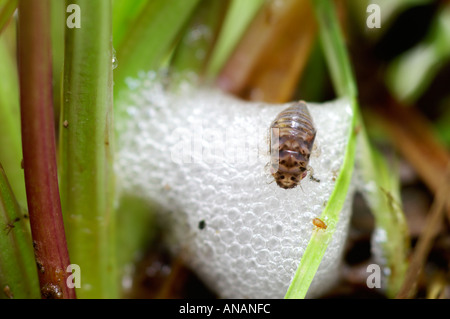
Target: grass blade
point(58, 24)
point(381, 191)
point(194, 50)
point(86, 150)
point(321, 238)
point(138, 228)
point(10, 142)
point(7, 8)
point(333, 45)
point(18, 273)
point(151, 37)
point(124, 14)
point(388, 217)
point(238, 17)
point(344, 82)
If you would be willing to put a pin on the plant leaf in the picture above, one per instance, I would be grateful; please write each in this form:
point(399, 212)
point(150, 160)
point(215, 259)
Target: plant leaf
point(151, 37)
point(18, 275)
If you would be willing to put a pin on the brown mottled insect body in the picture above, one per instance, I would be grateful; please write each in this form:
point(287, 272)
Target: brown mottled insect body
point(291, 142)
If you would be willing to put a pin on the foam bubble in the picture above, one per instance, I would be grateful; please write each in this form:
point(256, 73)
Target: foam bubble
point(255, 232)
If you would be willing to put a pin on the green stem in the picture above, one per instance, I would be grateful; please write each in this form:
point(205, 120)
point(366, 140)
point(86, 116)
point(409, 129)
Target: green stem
point(86, 149)
point(18, 274)
point(39, 150)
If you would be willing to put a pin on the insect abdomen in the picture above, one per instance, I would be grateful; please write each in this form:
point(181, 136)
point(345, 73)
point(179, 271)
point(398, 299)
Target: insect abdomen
point(319, 223)
point(292, 139)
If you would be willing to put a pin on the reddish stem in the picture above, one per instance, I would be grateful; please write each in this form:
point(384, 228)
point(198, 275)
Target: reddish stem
point(39, 151)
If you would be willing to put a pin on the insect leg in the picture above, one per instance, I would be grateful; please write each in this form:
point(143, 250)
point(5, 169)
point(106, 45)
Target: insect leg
point(311, 174)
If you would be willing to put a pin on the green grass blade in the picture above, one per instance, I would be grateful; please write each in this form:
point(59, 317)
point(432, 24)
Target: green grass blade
point(238, 18)
point(86, 150)
point(18, 273)
point(381, 190)
point(7, 8)
point(58, 24)
point(151, 37)
point(311, 87)
point(10, 142)
point(124, 13)
point(344, 82)
point(320, 239)
point(335, 50)
point(383, 200)
point(138, 229)
point(193, 51)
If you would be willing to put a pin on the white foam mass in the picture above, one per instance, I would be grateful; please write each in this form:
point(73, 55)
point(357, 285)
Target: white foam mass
point(201, 155)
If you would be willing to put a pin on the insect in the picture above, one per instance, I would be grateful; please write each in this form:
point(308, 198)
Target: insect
point(318, 223)
point(291, 141)
point(10, 225)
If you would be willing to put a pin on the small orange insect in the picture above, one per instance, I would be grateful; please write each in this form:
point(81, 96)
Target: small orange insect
point(318, 223)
